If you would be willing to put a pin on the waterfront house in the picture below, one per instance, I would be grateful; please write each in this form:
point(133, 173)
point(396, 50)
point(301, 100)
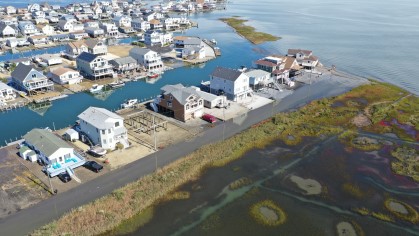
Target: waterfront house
point(10, 10)
point(57, 155)
point(305, 58)
point(180, 103)
point(110, 29)
point(149, 59)
point(258, 78)
point(7, 31)
point(210, 100)
point(93, 66)
point(38, 39)
point(103, 128)
point(94, 32)
point(187, 42)
point(6, 93)
point(156, 37)
point(74, 49)
point(65, 76)
point(139, 24)
point(124, 64)
point(156, 24)
point(17, 61)
point(193, 53)
point(28, 79)
point(96, 46)
point(27, 28)
point(229, 82)
point(122, 21)
point(78, 35)
point(51, 59)
point(280, 67)
point(170, 24)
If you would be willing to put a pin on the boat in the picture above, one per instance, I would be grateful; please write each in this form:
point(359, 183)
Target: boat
point(129, 103)
point(97, 151)
point(152, 75)
point(96, 88)
point(213, 41)
point(117, 84)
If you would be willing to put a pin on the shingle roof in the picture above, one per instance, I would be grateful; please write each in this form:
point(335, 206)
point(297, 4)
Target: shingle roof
point(257, 73)
point(140, 51)
point(295, 51)
point(45, 141)
point(21, 71)
point(123, 60)
point(97, 117)
point(91, 43)
point(4, 86)
point(62, 70)
point(87, 57)
point(226, 73)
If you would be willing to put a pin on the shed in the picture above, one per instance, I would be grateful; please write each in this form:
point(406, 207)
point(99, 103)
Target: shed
point(71, 135)
point(28, 154)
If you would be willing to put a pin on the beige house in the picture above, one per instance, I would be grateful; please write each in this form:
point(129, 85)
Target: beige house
point(65, 76)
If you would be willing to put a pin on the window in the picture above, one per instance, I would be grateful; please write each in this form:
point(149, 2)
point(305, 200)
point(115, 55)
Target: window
point(187, 107)
point(97, 130)
point(33, 75)
point(104, 141)
point(109, 131)
point(60, 159)
point(103, 131)
point(169, 104)
point(117, 124)
point(200, 102)
point(171, 97)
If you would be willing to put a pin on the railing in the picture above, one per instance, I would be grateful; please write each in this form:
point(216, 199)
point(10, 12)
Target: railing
point(39, 85)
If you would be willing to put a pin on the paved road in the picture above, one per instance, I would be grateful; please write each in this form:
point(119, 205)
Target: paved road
point(25, 221)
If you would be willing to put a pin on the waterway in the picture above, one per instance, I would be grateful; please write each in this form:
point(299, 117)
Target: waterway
point(371, 39)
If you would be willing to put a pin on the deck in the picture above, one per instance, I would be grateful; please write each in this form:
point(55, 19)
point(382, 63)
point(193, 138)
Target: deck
point(75, 161)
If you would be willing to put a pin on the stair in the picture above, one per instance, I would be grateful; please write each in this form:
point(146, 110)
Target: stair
point(73, 175)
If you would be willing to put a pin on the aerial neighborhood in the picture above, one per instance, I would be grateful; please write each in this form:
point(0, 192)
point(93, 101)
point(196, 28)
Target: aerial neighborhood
point(92, 59)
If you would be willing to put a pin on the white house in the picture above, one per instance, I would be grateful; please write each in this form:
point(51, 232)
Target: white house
point(65, 76)
point(9, 20)
point(51, 59)
point(156, 37)
point(6, 92)
point(38, 39)
point(38, 14)
point(258, 78)
point(122, 21)
point(232, 83)
point(147, 58)
point(46, 29)
point(74, 49)
point(193, 53)
point(94, 32)
point(67, 25)
point(103, 127)
point(93, 66)
point(27, 28)
point(34, 7)
point(7, 31)
point(305, 58)
point(55, 153)
point(139, 24)
point(110, 29)
point(10, 10)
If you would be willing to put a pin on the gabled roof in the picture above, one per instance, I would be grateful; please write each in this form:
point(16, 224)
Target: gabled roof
point(21, 72)
point(226, 73)
point(257, 73)
point(62, 70)
point(295, 51)
point(123, 60)
point(91, 43)
point(45, 141)
point(4, 26)
point(97, 117)
point(87, 57)
point(77, 44)
point(265, 63)
point(140, 51)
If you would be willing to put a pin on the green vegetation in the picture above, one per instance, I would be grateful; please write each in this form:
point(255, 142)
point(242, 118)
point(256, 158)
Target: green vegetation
point(277, 218)
point(406, 163)
point(381, 216)
point(249, 32)
point(353, 190)
point(317, 119)
point(411, 216)
point(133, 223)
point(240, 183)
point(139, 44)
point(212, 222)
point(177, 195)
point(351, 139)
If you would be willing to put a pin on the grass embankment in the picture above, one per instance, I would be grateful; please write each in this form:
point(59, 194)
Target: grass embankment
point(249, 32)
point(318, 118)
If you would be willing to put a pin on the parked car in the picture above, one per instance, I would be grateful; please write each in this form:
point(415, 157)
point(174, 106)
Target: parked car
point(209, 118)
point(93, 166)
point(65, 177)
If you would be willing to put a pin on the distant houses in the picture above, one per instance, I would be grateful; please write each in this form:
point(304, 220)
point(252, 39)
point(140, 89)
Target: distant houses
point(103, 128)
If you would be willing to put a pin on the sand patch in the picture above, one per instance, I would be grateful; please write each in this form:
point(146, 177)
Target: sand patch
point(345, 229)
point(398, 207)
point(311, 186)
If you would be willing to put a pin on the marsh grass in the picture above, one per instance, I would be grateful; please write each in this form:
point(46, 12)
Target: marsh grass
point(248, 32)
point(412, 215)
point(255, 212)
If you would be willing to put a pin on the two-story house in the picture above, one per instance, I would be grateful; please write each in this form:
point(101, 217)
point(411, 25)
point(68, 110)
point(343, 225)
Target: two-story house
point(147, 58)
point(258, 78)
point(10, 10)
point(74, 49)
point(179, 102)
point(232, 83)
point(46, 29)
point(187, 42)
point(67, 25)
point(305, 58)
point(28, 79)
point(65, 76)
point(156, 37)
point(103, 128)
point(34, 7)
point(122, 21)
point(279, 66)
point(27, 28)
point(6, 93)
point(124, 64)
point(97, 47)
point(110, 29)
point(93, 66)
point(7, 31)
point(140, 24)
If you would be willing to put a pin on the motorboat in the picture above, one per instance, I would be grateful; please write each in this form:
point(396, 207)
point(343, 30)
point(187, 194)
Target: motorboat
point(129, 103)
point(97, 151)
point(96, 88)
point(117, 84)
point(152, 75)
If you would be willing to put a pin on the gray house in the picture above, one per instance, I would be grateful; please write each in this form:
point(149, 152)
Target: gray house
point(28, 79)
point(124, 64)
point(93, 66)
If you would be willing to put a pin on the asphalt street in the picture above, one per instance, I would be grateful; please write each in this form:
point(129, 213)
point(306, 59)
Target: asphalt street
point(27, 220)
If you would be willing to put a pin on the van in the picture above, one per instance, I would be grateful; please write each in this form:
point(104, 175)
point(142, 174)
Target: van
point(209, 118)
